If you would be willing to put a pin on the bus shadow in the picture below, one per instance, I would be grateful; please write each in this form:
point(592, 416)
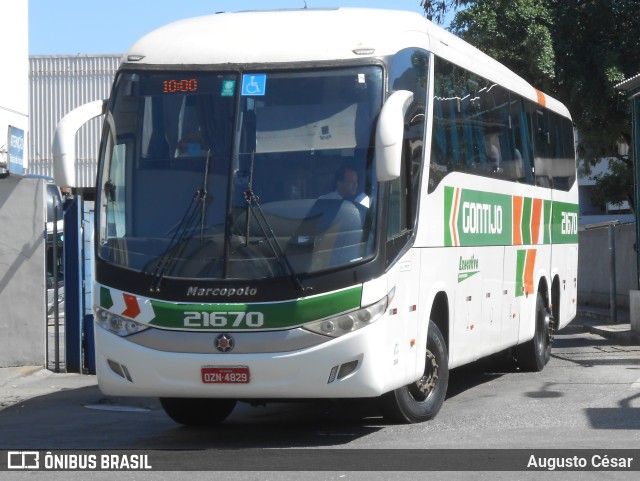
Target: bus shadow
point(464, 378)
point(84, 418)
point(317, 423)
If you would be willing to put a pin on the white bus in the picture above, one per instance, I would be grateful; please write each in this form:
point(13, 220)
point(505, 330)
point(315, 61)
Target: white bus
point(340, 203)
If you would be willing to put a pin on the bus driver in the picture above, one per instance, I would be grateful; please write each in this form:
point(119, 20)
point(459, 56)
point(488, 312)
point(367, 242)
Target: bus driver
point(347, 187)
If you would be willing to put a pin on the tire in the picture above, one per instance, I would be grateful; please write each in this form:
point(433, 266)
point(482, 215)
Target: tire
point(197, 411)
point(534, 355)
point(421, 400)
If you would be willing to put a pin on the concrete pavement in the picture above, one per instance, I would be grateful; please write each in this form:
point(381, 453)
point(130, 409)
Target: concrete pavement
point(18, 384)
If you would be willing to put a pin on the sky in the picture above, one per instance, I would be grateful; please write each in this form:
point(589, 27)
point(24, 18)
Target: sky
point(67, 27)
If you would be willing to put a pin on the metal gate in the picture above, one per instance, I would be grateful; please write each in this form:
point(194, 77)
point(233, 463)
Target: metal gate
point(70, 346)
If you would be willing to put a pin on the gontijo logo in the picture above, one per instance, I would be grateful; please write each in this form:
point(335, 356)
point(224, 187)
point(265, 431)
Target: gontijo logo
point(475, 218)
point(480, 218)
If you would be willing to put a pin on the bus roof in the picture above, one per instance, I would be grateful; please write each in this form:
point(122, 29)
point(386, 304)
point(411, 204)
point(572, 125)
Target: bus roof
point(315, 35)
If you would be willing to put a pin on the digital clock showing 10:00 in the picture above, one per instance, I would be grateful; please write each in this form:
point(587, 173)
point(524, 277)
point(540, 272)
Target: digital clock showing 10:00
point(184, 85)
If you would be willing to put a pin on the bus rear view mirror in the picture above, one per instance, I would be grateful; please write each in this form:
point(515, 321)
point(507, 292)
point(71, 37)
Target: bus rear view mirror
point(389, 135)
point(64, 141)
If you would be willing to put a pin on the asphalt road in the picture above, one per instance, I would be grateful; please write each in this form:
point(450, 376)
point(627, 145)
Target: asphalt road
point(587, 398)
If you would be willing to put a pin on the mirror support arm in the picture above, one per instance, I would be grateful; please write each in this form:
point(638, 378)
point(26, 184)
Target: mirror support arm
point(64, 141)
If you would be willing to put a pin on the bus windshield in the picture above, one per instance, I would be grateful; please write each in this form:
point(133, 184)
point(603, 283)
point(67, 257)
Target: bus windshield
point(213, 175)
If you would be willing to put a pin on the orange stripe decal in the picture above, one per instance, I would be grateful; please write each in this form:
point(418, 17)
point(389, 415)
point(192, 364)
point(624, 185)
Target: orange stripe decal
point(542, 100)
point(517, 220)
point(528, 271)
point(535, 221)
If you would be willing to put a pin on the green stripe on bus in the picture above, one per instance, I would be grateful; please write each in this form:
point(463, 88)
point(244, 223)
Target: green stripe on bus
point(276, 315)
point(520, 264)
point(547, 222)
point(526, 220)
point(448, 207)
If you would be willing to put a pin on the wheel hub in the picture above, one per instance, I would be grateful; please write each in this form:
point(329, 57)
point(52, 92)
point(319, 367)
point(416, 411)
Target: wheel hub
point(427, 383)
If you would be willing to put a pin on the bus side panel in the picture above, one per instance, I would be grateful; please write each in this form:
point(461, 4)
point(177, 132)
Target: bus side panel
point(405, 355)
point(528, 300)
point(438, 275)
point(565, 251)
point(492, 298)
point(467, 315)
point(510, 302)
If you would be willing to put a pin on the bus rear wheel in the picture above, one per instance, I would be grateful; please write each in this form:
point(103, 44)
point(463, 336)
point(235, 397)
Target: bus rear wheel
point(421, 400)
point(534, 355)
point(197, 411)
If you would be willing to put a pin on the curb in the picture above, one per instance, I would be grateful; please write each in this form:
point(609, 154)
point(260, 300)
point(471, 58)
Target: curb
point(620, 335)
point(593, 315)
point(620, 331)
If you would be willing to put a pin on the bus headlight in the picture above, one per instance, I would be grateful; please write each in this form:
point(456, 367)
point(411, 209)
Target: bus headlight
point(120, 325)
point(351, 321)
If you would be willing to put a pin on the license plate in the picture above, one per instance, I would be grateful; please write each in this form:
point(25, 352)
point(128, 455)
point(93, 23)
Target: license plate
point(225, 375)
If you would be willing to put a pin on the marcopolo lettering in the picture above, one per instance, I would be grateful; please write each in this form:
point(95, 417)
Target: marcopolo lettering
point(478, 218)
point(196, 291)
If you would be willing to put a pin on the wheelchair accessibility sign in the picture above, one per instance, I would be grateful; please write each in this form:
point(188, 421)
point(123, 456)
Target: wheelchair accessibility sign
point(254, 84)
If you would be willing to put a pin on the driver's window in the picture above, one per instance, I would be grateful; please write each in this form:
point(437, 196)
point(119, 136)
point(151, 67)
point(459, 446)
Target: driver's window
point(114, 193)
point(409, 70)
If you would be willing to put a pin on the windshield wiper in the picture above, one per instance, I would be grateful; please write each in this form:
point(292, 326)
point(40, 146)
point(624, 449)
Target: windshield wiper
point(177, 243)
point(253, 203)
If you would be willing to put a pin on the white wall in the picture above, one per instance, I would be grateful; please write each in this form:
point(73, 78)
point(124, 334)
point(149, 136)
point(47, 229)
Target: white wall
point(22, 224)
point(22, 272)
point(14, 79)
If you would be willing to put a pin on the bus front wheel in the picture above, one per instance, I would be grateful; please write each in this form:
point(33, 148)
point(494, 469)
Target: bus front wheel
point(197, 411)
point(421, 400)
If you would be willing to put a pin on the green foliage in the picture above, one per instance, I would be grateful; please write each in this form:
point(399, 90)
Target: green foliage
point(436, 9)
point(516, 32)
point(615, 186)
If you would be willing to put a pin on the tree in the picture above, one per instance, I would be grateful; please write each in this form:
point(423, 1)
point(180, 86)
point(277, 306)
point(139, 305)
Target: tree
point(614, 187)
point(515, 32)
point(435, 10)
point(577, 51)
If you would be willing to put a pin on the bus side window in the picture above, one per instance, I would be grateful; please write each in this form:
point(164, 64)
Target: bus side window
point(520, 113)
point(562, 164)
point(446, 145)
point(542, 148)
point(480, 128)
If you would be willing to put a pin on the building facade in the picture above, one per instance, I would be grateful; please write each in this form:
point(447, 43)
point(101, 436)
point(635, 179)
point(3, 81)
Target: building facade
point(58, 84)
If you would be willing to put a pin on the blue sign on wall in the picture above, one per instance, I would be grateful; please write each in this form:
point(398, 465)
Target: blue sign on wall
point(16, 150)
